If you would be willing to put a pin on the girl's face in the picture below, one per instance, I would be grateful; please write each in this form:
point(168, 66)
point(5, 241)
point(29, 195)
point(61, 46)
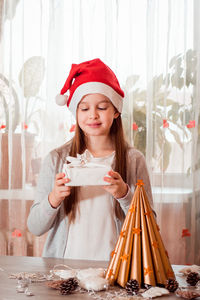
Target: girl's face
point(95, 115)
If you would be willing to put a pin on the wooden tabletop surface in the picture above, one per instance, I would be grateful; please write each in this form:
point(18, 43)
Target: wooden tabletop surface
point(14, 264)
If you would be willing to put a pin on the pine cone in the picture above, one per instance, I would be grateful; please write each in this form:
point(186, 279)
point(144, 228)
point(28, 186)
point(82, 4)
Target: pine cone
point(132, 287)
point(68, 286)
point(192, 278)
point(171, 285)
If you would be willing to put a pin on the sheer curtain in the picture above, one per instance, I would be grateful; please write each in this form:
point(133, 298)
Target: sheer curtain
point(153, 48)
point(172, 111)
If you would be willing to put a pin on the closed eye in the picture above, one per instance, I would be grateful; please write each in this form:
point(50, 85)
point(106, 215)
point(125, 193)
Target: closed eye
point(83, 109)
point(102, 108)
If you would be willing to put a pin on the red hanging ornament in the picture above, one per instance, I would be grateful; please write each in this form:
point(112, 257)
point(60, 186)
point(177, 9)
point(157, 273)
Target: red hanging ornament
point(73, 127)
point(165, 124)
point(191, 124)
point(25, 126)
point(16, 233)
point(135, 126)
point(185, 232)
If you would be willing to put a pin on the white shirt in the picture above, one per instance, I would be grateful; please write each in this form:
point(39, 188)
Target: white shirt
point(93, 234)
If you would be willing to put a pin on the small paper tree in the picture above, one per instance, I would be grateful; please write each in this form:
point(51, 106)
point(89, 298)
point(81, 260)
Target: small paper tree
point(139, 252)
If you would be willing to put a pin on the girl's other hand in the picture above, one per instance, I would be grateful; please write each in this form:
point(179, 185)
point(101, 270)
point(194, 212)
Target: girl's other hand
point(117, 188)
point(60, 191)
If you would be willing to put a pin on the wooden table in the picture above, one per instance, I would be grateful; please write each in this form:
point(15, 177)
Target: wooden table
point(14, 264)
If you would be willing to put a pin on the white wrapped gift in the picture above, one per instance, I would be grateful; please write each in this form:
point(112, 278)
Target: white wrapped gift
point(81, 171)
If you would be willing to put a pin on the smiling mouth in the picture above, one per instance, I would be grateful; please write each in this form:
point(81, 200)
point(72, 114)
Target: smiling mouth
point(95, 125)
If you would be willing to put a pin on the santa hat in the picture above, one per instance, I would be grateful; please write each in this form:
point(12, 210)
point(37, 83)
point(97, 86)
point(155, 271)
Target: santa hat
point(90, 77)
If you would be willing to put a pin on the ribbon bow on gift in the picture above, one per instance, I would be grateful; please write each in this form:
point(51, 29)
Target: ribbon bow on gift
point(83, 160)
point(80, 160)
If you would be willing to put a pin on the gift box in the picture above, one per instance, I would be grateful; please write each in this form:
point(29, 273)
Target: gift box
point(81, 171)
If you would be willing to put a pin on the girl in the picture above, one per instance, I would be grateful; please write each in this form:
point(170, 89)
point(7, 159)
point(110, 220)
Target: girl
point(85, 222)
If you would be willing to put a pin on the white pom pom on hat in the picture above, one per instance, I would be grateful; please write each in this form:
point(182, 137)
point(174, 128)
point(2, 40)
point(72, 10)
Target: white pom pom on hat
point(61, 99)
point(90, 77)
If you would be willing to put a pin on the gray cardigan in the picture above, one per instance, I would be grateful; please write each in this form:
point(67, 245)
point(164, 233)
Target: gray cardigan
point(43, 217)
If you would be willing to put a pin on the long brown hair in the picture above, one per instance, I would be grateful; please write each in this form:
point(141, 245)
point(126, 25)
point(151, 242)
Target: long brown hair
point(79, 146)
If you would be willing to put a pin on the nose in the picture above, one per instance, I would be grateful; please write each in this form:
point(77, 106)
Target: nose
point(93, 113)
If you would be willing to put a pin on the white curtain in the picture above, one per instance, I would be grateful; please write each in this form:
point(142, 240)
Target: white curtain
point(153, 47)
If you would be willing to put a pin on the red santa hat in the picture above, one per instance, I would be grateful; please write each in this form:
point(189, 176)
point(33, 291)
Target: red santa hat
point(90, 77)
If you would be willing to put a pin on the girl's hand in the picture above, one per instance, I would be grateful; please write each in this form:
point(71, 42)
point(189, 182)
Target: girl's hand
point(60, 191)
point(118, 188)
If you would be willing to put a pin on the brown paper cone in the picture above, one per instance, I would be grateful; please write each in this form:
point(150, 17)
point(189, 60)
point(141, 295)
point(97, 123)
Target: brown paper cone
point(113, 268)
point(112, 271)
point(148, 270)
point(158, 266)
point(163, 253)
point(135, 272)
point(126, 255)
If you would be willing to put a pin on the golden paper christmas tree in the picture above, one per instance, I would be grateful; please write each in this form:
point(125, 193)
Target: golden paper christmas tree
point(139, 252)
